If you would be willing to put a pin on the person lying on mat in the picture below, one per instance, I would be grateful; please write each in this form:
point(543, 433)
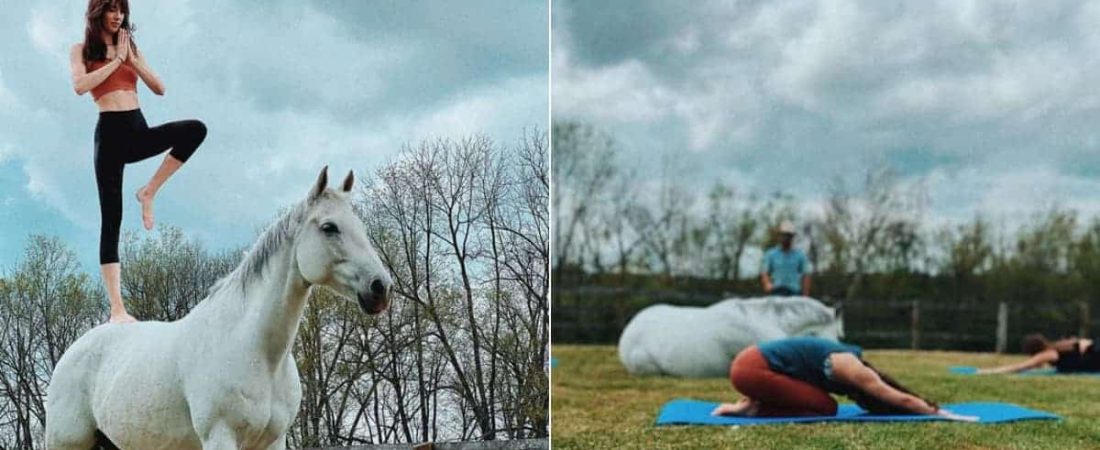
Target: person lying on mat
point(1066, 355)
point(793, 377)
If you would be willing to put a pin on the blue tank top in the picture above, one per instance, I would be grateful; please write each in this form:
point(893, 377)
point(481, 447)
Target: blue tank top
point(804, 358)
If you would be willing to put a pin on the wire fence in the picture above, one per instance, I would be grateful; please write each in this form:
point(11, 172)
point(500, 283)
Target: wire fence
point(598, 314)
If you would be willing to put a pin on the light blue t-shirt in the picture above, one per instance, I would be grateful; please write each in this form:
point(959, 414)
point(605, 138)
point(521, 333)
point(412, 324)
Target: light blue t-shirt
point(786, 268)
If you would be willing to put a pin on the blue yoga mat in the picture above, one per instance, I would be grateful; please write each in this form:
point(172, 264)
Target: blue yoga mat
point(967, 370)
point(695, 412)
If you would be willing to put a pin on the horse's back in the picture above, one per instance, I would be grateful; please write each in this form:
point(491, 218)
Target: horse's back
point(108, 345)
point(701, 341)
point(683, 341)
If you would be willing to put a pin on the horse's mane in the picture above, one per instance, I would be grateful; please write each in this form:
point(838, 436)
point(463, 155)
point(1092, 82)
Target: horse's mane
point(272, 239)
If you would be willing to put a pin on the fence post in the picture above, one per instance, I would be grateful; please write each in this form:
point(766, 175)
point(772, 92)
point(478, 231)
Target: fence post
point(1002, 327)
point(1083, 331)
point(914, 325)
point(838, 312)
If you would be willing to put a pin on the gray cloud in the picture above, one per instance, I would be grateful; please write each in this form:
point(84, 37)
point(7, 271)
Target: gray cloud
point(972, 96)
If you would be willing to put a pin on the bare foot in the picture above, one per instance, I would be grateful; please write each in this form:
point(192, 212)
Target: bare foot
point(146, 201)
point(121, 317)
point(741, 408)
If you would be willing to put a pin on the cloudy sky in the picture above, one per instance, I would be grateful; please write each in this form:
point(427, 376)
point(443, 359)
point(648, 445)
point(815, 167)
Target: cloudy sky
point(993, 105)
point(285, 87)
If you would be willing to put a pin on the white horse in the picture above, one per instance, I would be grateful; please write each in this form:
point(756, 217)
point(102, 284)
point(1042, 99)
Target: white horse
point(223, 377)
point(701, 342)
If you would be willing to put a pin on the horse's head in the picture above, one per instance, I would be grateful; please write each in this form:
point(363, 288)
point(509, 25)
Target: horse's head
point(830, 330)
point(332, 248)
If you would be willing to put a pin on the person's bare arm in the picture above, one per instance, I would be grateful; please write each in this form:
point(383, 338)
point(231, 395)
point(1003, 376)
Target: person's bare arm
point(1048, 356)
point(84, 81)
point(765, 276)
point(849, 370)
point(806, 285)
point(137, 61)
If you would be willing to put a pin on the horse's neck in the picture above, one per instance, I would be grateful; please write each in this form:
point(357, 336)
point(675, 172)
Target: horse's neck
point(264, 314)
point(275, 305)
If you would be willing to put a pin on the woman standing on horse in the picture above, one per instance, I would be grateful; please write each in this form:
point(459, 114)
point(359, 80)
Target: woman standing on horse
point(108, 64)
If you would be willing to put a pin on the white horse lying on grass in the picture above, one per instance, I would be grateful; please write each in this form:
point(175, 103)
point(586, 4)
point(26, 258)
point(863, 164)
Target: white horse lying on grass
point(222, 378)
point(701, 342)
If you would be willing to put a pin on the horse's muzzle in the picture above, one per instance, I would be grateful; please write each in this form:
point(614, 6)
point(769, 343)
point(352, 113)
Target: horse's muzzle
point(376, 301)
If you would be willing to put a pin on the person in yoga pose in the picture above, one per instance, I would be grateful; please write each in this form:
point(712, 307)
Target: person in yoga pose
point(793, 377)
point(1067, 355)
point(108, 64)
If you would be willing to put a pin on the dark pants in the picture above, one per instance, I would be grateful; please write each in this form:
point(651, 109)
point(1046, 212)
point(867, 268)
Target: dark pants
point(121, 138)
point(782, 291)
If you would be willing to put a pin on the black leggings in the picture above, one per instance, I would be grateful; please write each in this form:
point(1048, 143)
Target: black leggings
point(121, 138)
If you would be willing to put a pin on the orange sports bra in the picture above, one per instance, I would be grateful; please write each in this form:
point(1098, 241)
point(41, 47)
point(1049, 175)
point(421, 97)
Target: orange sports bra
point(123, 78)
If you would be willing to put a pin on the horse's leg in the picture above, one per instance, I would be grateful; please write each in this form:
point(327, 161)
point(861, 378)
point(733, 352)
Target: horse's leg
point(69, 426)
point(220, 437)
point(69, 434)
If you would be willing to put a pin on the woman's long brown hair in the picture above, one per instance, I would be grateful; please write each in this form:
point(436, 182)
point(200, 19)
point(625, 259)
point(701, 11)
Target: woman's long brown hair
point(94, 48)
point(874, 405)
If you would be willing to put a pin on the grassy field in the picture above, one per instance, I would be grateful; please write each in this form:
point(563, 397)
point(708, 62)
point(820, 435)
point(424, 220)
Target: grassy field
point(597, 405)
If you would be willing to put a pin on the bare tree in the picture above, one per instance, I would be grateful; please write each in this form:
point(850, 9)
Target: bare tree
point(1046, 246)
point(44, 307)
point(664, 225)
point(967, 249)
point(617, 228)
point(167, 274)
point(585, 163)
point(464, 227)
point(857, 229)
point(735, 226)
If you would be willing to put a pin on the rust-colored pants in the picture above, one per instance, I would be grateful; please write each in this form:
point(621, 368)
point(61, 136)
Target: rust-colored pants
point(777, 394)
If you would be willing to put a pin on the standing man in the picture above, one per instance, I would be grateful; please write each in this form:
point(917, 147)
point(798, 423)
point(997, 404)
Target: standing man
point(785, 269)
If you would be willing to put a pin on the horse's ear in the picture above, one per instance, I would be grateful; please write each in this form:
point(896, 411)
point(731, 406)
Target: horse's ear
point(320, 185)
point(349, 181)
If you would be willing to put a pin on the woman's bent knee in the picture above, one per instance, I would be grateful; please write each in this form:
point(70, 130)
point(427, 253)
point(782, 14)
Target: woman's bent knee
point(825, 407)
point(746, 368)
point(199, 129)
point(194, 133)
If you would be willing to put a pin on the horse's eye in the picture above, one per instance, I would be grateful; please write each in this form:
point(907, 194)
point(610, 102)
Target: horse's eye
point(329, 228)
